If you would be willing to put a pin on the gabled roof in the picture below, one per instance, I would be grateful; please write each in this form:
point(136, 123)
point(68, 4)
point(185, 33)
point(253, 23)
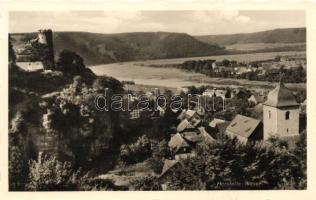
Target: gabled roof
point(281, 96)
point(258, 98)
point(215, 122)
point(167, 165)
point(181, 115)
point(192, 136)
point(206, 137)
point(177, 142)
point(189, 114)
point(222, 127)
point(243, 126)
point(184, 124)
point(195, 122)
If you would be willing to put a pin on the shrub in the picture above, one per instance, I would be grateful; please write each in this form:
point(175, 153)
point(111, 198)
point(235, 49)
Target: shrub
point(136, 152)
point(48, 174)
point(148, 183)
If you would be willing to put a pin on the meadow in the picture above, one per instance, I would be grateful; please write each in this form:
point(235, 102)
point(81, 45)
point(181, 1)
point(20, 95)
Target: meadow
point(142, 74)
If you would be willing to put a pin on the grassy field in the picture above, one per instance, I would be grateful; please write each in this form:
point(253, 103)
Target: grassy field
point(238, 57)
point(141, 74)
point(265, 46)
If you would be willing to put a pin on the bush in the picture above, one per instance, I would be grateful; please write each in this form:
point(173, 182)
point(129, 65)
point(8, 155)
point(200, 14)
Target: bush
point(160, 152)
point(136, 152)
point(48, 174)
point(148, 183)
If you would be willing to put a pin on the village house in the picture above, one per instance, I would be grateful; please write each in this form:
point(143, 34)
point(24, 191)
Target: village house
point(215, 92)
point(255, 99)
point(190, 115)
point(184, 125)
point(215, 122)
point(242, 70)
point(245, 129)
point(177, 144)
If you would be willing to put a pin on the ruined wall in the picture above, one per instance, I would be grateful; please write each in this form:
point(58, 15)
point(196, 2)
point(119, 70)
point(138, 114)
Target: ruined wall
point(45, 37)
point(39, 49)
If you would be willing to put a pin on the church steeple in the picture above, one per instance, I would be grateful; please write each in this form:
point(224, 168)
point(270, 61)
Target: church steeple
point(281, 83)
point(280, 112)
point(281, 96)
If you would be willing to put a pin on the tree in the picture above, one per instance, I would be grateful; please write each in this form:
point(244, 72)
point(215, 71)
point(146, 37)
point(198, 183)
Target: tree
point(228, 164)
point(17, 168)
point(103, 82)
point(226, 62)
point(70, 62)
point(136, 152)
point(300, 153)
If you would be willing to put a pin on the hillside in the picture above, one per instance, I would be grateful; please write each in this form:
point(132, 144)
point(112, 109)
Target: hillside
point(289, 35)
point(107, 48)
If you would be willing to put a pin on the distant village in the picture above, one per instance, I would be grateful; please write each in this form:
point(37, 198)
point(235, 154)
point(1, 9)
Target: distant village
point(293, 67)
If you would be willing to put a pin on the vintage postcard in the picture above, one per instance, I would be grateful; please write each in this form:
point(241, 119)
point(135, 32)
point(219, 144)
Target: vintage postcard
point(202, 99)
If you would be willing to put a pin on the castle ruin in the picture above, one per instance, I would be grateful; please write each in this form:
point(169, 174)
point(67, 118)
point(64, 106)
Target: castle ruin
point(37, 53)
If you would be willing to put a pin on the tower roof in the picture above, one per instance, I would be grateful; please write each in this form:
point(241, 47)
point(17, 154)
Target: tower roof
point(281, 96)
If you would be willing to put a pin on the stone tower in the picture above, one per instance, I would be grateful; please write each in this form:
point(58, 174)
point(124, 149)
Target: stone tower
point(45, 37)
point(42, 37)
point(280, 113)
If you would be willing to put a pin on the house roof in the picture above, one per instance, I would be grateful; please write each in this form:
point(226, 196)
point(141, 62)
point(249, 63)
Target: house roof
point(167, 165)
point(177, 142)
point(192, 136)
point(207, 137)
point(222, 127)
point(215, 122)
point(258, 98)
point(243, 126)
point(181, 115)
point(189, 113)
point(184, 124)
point(195, 122)
point(281, 96)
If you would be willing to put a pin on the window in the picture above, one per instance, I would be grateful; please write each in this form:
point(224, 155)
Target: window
point(287, 115)
point(269, 114)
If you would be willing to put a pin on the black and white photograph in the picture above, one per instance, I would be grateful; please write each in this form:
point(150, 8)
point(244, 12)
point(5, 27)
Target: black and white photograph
point(157, 100)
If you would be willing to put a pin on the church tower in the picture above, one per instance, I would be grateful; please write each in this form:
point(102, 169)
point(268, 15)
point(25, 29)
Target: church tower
point(280, 113)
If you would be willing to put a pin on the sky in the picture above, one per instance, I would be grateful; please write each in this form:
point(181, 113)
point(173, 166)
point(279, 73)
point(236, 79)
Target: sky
point(206, 22)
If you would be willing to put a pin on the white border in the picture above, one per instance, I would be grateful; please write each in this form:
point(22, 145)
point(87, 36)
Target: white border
point(15, 5)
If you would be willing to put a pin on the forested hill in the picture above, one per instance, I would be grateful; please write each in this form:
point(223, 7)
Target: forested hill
point(288, 35)
point(106, 48)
